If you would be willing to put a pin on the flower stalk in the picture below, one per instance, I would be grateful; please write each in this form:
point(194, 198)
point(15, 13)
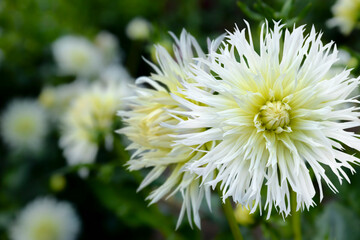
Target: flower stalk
point(229, 213)
point(296, 221)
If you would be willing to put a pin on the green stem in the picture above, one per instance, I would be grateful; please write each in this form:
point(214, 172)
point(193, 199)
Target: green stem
point(229, 213)
point(296, 222)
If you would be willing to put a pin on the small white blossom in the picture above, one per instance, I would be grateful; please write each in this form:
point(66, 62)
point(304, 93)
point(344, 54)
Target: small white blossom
point(276, 114)
point(76, 55)
point(138, 29)
point(24, 125)
point(46, 219)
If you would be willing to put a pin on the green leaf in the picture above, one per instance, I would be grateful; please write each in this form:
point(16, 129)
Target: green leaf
point(303, 12)
point(248, 12)
point(337, 222)
point(285, 10)
point(132, 208)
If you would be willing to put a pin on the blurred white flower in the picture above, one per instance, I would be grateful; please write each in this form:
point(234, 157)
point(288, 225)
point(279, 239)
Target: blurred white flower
point(346, 15)
point(276, 114)
point(138, 29)
point(46, 219)
point(24, 125)
point(117, 73)
point(77, 56)
point(90, 120)
point(108, 45)
point(152, 142)
point(345, 60)
point(57, 99)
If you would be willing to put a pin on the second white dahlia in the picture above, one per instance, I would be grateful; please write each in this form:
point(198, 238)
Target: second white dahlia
point(90, 120)
point(152, 142)
point(276, 114)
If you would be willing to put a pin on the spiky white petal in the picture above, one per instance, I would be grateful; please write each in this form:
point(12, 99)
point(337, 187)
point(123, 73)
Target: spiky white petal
point(46, 219)
point(152, 109)
point(276, 114)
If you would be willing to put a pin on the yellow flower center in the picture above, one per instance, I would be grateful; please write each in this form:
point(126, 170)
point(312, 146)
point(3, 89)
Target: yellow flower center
point(45, 230)
point(25, 126)
point(79, 58)
point(273, 116)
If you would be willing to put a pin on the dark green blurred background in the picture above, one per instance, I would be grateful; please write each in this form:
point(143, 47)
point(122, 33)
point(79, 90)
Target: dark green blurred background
point(106, 201)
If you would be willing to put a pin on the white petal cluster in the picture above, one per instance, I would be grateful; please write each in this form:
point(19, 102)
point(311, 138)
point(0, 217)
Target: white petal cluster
point(46, 219)
point(78, 56)
point(90, 120)
point(346, 15)
point(24, 125)
point(152, 109)
point(276, 115)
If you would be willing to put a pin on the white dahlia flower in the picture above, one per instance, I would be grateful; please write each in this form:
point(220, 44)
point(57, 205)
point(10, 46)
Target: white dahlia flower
point(90, 120)
point(77, 56)
point(46, 219)
point(24, 125)
point(276, 115)
point(152, 142)
point(346, 15)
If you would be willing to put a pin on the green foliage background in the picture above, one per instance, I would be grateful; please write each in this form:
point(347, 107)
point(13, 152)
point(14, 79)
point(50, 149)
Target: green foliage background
point(107, 202)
